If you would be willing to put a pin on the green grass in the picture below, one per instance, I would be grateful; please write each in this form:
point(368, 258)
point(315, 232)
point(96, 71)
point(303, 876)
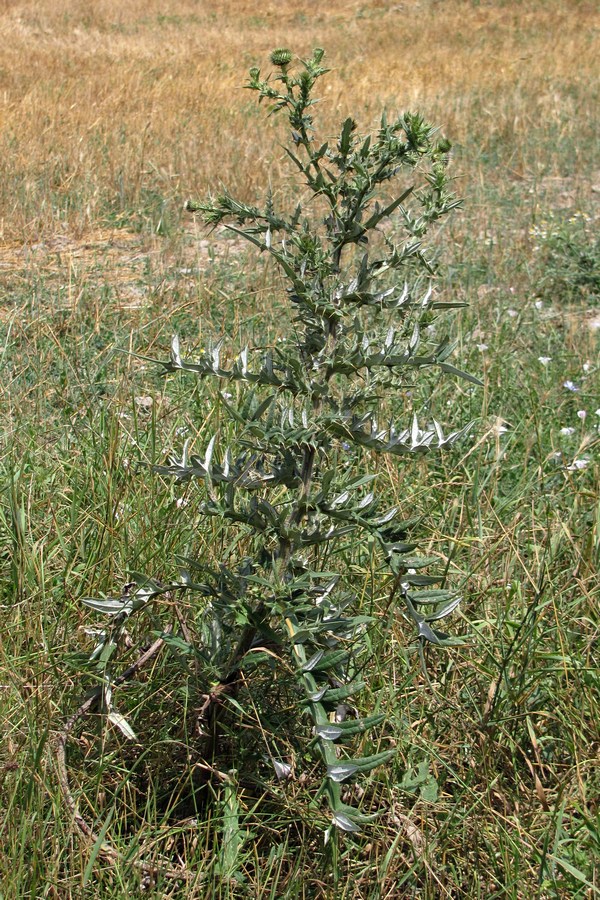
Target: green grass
point(494, 792)
point(495, 789)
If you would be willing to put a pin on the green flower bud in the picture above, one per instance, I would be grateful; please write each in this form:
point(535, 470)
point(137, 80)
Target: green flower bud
point(444, 145)
point(281, 57)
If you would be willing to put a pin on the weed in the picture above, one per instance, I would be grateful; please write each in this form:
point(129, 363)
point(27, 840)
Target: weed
point(281, 484)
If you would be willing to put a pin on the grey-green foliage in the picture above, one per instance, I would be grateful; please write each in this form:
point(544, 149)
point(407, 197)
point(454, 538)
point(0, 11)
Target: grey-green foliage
point(360, 295)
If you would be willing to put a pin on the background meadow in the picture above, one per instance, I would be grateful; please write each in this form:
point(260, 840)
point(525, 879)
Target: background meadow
point(112, 115)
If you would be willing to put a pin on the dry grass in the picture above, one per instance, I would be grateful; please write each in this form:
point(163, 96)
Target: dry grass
point(111, 106)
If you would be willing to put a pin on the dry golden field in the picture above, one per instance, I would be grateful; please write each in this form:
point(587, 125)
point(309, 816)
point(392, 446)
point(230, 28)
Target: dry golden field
point(104, 105)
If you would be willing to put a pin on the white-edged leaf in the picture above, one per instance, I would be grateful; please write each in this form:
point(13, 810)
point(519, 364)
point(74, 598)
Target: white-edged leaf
point(175, 352)
point(445, 611)
point(344, 822)
point(341, 771)
point(123, 725)
point(282, 770)
point(318, 695)
point(209, 452)
point(313, 661)
point(109, 606)
point(328, 732)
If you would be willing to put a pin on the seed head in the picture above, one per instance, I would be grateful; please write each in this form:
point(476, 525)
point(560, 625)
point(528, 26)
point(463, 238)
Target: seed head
point(281, 57)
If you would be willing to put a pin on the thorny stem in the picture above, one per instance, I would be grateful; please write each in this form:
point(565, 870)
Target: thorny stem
point(284, 551)
point(347, 199)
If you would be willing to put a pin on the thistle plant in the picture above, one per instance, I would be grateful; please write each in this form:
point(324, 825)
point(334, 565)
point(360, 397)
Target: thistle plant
point(359, 285)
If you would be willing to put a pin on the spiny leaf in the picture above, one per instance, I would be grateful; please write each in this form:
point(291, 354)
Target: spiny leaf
point(344, 770)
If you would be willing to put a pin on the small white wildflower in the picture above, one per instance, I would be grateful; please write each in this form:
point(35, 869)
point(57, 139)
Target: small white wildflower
point(567, 430)
point(586, 367)
point(539, 304)
point(544, 360)
point(512, 313)
point(482, 347)
point(577, 464)
point(570, 386)
point(581, 414)
point(227, 395)
point(181, 501)
point(598, 412)
point(512, 290)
